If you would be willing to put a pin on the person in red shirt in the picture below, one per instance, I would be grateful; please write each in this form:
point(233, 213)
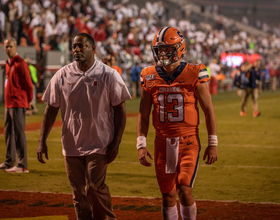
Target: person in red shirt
point(18, 95)
point(99, 33)
point(273, 72)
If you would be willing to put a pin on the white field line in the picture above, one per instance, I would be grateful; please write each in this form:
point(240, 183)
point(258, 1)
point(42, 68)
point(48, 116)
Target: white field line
point(240, 166)
point(150, 142)
point(201, 130)
point(202, 165)
point(251, 146)
point(244, 132)
point(136, 197)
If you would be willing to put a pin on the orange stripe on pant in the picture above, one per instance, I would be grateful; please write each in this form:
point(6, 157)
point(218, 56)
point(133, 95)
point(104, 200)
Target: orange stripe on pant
point(189, 148)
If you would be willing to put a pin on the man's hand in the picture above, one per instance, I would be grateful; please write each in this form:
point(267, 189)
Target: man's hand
point(211, 153)
point(142, 156)
point(42, 149)
point(112, 152)
point(30, 106)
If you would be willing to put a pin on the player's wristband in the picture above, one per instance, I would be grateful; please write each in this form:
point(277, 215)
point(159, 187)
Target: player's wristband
point(212, 140)
point(141, 142)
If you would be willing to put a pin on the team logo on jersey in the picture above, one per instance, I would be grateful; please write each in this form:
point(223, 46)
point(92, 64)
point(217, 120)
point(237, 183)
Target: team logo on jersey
point(70, 83)
point(150, 77)
point(150, 84)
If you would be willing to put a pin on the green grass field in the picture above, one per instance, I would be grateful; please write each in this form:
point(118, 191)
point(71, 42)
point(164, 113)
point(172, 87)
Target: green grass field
point(248, 166)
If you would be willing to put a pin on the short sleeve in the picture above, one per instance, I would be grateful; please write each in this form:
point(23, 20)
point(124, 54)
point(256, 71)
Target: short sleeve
point(52, 92)
point(119, 91)
point(142, 79)
point(202, 75)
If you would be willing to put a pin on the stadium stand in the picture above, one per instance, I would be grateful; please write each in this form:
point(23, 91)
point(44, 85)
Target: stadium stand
point(125, 29)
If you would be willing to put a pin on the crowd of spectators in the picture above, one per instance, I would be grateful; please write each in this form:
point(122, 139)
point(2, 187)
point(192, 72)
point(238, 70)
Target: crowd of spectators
point(125, 30)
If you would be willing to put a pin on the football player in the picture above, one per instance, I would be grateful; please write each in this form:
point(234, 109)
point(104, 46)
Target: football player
point(173, 88)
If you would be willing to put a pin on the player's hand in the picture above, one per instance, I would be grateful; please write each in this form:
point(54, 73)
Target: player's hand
point(42, 149)
point(211, 154)
point(142, 156)
point(112, 152)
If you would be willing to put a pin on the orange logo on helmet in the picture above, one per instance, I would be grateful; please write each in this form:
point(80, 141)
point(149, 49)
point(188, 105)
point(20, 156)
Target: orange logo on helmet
point(168, 37)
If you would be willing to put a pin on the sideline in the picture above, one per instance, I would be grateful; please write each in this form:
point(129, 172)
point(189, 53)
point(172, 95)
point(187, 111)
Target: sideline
point(150, 198)
point(53, 217)
point(34, 126)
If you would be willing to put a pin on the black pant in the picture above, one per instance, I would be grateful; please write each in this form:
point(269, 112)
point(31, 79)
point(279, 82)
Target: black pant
point(15, 137)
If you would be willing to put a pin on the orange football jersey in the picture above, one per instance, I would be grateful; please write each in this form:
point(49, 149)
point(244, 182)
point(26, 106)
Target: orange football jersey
point(175, 112)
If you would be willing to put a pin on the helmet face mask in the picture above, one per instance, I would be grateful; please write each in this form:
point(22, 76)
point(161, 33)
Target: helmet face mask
point(168, 46)
point(165, 55)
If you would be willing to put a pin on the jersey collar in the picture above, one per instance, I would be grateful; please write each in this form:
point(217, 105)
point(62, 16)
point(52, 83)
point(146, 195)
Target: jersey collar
point(169, 79)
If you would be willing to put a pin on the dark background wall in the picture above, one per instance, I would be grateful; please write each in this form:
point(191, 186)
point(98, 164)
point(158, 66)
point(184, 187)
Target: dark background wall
point(263, 10)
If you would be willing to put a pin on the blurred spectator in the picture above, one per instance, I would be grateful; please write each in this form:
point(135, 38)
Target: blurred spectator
point(265, 78)
point(126, 62)
point(2, 25)
point(214, 70)
point(253, 87)
point(245, 20)
point(22, 31)
point(48, 31)
point(110, 61)
point(235, 73)
point(83, 27)
point(64, 45)
point(33, 73)
point(273, 72)
point(53, 42)
point(61, 27)
point(38, 40)
point(135, 77)
point(99, 33)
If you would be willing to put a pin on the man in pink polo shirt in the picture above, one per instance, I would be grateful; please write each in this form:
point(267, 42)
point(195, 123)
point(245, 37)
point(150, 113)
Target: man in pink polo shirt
point(91, 97)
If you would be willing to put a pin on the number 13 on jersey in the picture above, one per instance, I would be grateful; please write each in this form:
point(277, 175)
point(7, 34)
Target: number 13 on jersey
point(171, 107)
